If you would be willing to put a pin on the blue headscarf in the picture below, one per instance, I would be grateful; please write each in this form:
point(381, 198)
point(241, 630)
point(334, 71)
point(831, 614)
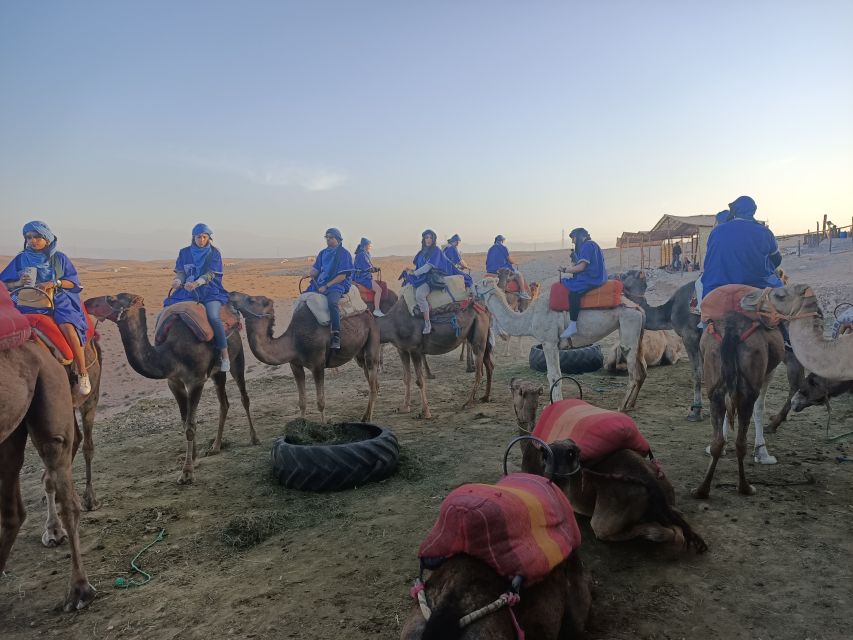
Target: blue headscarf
point(499, 238)
point(39, 259)
point(362, 245)
point(454, 238)
point(200, 254)
point(335, 233)
point(743, 208)
point(723, 216)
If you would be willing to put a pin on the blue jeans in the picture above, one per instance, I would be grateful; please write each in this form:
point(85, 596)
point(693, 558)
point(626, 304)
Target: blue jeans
point(333, 297)
point(213, 307)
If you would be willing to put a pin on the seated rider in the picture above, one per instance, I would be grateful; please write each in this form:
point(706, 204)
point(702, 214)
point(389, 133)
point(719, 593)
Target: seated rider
point(589, 273)
point(57, 277)
point(363, 274)
point(498, 258)
point(429, 258)
point(198, 278)
point(451, 251)
point(331, 276)
point(720, 218)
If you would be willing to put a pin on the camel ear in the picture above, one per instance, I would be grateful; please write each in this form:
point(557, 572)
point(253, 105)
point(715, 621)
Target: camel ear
point(800, 289)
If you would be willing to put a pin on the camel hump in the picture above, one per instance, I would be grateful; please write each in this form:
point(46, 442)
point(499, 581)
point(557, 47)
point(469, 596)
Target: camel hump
point(14, 328)
point(350, 305)
point(607, 296)
point(454, 291)
point(194, 315)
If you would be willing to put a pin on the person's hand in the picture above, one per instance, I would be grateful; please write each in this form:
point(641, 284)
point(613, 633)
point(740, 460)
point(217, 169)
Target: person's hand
point(322, 289)
point(563, 269)
point(177, 284)
point(191, 285)
point(374, 269)
point(46, 286)
point(26, 280)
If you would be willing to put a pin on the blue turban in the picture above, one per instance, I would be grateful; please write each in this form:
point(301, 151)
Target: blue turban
point(454, 238)
point(40, 228)
point(743, 208)
point(499, 238)
point(332, 231)
point(579, 232)
point(364, 242)
point(723, 216)
point(202, 228)
point(429, 232)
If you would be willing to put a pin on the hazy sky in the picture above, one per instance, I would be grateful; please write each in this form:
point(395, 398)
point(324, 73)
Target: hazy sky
point(122, 124)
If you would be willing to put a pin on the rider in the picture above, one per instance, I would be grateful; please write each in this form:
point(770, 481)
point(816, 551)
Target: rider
point(498, 258)
point(331, 276)
point(198, 278)
point(451, 251)
point(589, 273)
point(364, 271)
point(429, 258)
point(57, 277)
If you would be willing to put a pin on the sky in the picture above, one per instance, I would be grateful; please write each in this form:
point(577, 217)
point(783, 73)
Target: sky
point(122, 124)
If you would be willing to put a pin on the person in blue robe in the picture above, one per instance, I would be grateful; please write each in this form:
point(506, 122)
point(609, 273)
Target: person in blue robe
point(198, 278)
point(331, 276)
point(498, 258)
point(56, 275)
point(451, 251)
point(363, 274)
point(588, 271)
point(429, 258)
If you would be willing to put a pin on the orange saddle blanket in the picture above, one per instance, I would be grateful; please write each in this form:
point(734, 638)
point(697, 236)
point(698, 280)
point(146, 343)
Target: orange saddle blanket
point(521, 526)
point(194, 315)
point(368, 294)
point(14, 328)
point(725, 299)
point(606, 296)
point(46, 329)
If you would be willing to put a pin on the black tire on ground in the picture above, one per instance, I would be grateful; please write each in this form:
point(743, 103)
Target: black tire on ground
point(580, 360)
point(335, 467)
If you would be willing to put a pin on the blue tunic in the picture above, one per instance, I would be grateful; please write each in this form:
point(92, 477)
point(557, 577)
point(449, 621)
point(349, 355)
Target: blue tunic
point(205, 293)
point(67, 307)
point(595, 273)
point(434, 256)
point(497, 258)
point(739, 253)
point(331, 262)
point(362, 265)
point(453, 256)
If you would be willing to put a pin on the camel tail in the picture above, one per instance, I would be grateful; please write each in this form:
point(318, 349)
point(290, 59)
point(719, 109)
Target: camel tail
point(729, 362)
point(443, 624)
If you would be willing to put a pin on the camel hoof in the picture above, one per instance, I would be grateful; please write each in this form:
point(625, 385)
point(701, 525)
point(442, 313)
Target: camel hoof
point(186, 477)
point(79, 597)
point(90, 502)
point(255, 439)
point(695, 415)
point(747, 490)
point(761, 456)
point(708, 451)
point(472, 370)
point(485, 399)
point(700, 493)
point(430, 376)
point(53, 537)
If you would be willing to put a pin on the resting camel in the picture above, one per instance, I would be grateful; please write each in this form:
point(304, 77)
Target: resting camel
point(35, 399)
point(660, 348)
point(555, 608)
point(405, 331)
point(184, 361)
point(305, 344)
point(593, 324)
point(624, 494)
point(737, 370)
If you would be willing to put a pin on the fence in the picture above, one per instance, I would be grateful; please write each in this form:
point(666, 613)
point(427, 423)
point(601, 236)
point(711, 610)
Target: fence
point(826, 231)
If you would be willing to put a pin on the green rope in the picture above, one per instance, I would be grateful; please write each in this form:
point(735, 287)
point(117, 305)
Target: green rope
point(122, 583)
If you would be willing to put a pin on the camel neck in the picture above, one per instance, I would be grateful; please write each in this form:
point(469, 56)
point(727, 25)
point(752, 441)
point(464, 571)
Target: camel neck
point(143, 358)
point(657, 318)
point(267, 349)
point(513, 322)
point(825, 357)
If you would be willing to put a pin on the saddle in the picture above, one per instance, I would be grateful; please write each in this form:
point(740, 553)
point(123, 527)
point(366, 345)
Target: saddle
point(598, 432)
point(350, 305)
point(194, 315)
point(521, 526)
point(369, 294)
point(44, 327)
point(607, 296)
point(14, 328)
point(727, 299)
point(453, 292)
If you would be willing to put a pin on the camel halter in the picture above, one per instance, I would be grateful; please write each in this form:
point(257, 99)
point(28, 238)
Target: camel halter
point(773, 316)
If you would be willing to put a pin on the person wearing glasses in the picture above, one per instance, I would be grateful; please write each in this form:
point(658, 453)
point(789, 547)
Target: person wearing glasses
point(331, 276)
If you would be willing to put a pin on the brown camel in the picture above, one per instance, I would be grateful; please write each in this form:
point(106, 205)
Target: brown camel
point(305, 344)
point(405, 332)
point(624, 494)
point(556, 608)
point(737, 369)
point(184, 361)
point(660, 348)
point(35, 399)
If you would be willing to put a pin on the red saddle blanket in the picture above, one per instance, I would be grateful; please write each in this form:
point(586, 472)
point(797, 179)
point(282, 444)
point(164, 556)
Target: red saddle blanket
point(368, 294)
point(725, 299)
point(45, 327)
point(14, 328)
point(521, 526)
point(194, 315)
point(606, 296)
point(598, 432)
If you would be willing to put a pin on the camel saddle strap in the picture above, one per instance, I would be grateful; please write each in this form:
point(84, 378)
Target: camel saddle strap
point(194, 315)
point(607, 296)
point(711, 330)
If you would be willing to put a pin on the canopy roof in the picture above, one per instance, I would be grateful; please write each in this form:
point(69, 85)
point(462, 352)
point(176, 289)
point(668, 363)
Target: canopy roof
point(667, 227)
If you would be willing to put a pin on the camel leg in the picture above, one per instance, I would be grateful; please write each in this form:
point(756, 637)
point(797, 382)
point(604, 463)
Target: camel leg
point(760, 453)
point(718, 443)
point(653, 531)
point(179, 390)
point(12, 511)
point(427, 371)
point(552, 361)
point(632, 350)
point(194, 396)
point(469, 361)
point(405, 359)
point(87, 416)
point(745, 409)
point(490, 368)
point(694, 353)
point(299, 376)
point(54, 534)
point(369, 366)
point(238, 373)
point(796, 374)
point(320, 387)
point(478, 373)
point(219, 384)
point(420, 380)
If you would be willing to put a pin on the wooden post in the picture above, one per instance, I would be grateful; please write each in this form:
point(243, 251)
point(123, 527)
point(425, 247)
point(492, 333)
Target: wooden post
point(823, 235)
point(830, 243)
point(798, 247)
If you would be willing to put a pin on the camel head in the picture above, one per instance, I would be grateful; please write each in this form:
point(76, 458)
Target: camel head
point(786, 301)
point(635, 282)
point(534, 287)
point(485, 287)
point(525, 401)
point(813, 390)
point(113, 307)
point(252, 306)
point(566, 463)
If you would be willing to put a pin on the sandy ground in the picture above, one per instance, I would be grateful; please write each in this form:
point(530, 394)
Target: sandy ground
point(327, 566)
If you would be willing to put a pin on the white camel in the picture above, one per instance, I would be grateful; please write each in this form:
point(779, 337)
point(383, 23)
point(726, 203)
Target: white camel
point(593, 325)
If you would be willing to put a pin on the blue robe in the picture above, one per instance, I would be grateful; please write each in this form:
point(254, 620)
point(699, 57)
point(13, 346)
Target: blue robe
point(205, 293)
point(595, 273)
point(497, 258)
point(362, 265)
point(453, 256)
point(328, 268)
point(739, 253)
point(437, 259)
point(67, 307)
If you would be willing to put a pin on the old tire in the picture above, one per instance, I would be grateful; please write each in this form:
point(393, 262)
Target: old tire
point(580, 360)
point(335, 467)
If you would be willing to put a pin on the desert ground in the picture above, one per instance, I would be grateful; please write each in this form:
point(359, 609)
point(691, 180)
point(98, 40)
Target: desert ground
point(245, 558)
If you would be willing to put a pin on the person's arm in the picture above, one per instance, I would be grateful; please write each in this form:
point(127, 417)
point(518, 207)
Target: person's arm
point(422, 269)
point(577, 268)
point(773, 253)
point(775, 259)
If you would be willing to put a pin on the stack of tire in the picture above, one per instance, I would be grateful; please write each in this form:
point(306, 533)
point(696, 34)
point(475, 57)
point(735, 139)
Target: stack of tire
point(580, 360)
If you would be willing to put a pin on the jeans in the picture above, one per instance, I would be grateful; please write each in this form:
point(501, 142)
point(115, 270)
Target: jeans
point(213, 308)
point(421, 294)
point(333, 297)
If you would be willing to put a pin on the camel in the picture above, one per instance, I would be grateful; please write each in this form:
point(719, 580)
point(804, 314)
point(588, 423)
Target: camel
point(184, 361)
point(593, 324)
point(830, 359)
point(305, 344)
point(35, 399)
point(624, 495)
point(515, 303)
point(660, 348)
point(555, 608)
point(815, 390)
point(737, 370)
point(405, 332)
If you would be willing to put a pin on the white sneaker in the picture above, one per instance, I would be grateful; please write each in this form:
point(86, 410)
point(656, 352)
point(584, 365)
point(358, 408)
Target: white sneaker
point(571, 330)
point(427, 328)
point(84, 386)
point(225, 365)
point(378, 314)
